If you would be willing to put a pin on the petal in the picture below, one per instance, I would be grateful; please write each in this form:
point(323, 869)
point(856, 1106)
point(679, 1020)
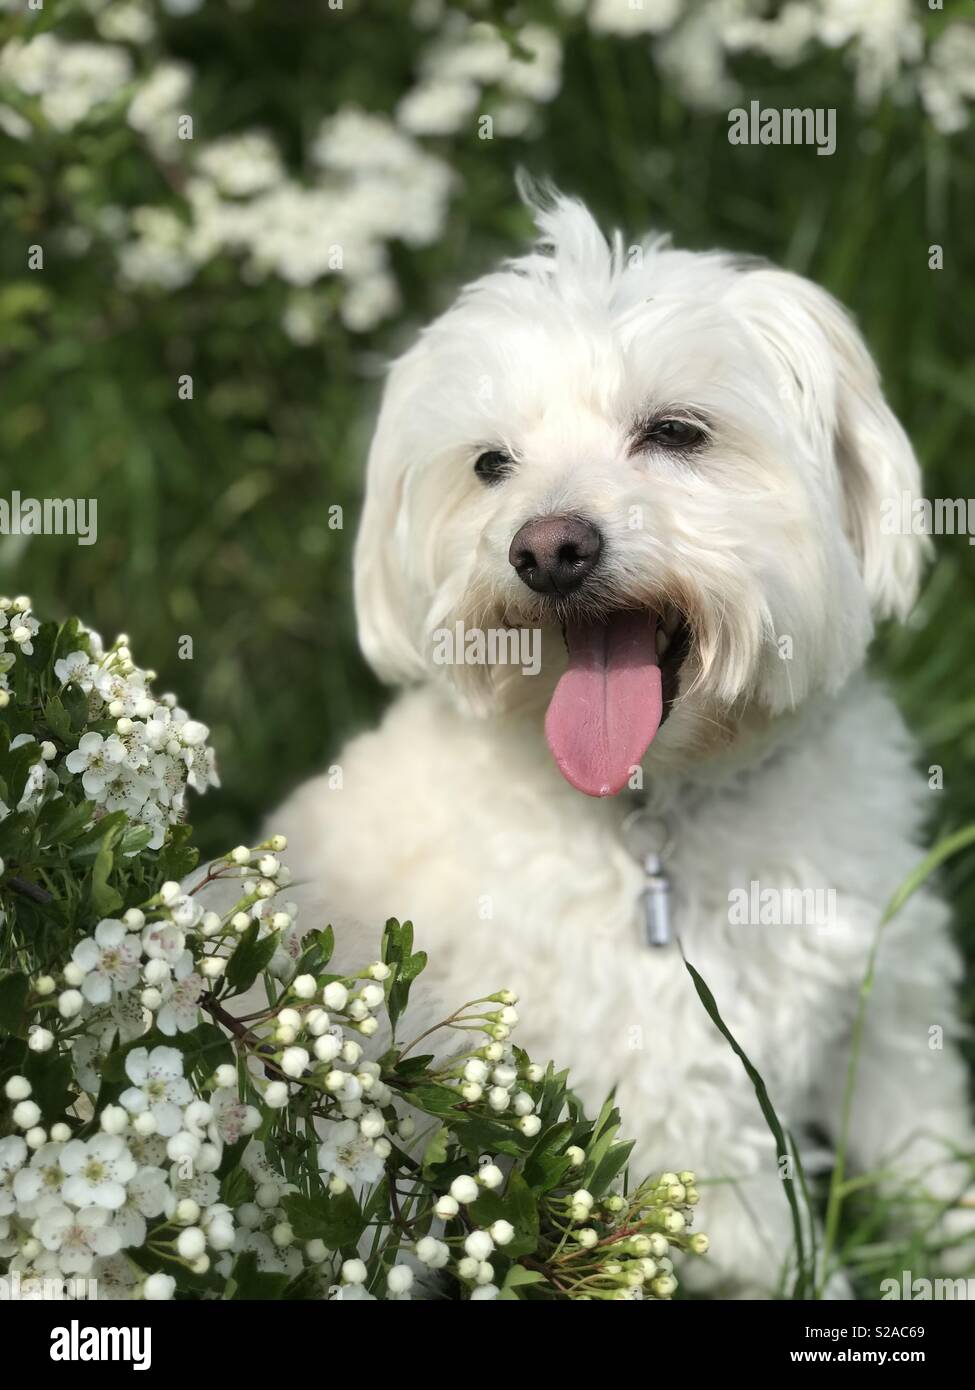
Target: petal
point(133, 1100)
point(86, 954)
point(137, 1065)
point(109, 932)
point(73, 1155)
point(96, 988)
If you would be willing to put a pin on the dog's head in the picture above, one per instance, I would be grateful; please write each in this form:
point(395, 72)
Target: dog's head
point(674, 464)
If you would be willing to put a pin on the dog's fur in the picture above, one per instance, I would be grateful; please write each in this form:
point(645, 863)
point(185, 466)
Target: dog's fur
point(797, 773)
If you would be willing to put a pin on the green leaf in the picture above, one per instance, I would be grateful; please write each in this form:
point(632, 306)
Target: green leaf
point(435, 1152)
point(609, 1168)
point(250, 958)
point(519, 1277)
point(783, 1147)
point(15, 836)
point(105, 900)
point(317, 953)
point(61, 822)
point(397, 952)
point(75, 703)
point(50, 1077)
point(337, 1220)
point(178, 857)
point(521, 1208)
point(13, 998)
point(251, 1283)
point(237, 1186)
point(435, 1099)
point(57, 717)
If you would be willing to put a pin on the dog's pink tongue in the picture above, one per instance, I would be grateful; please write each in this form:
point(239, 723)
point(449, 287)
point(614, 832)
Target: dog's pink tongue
point(607, 707)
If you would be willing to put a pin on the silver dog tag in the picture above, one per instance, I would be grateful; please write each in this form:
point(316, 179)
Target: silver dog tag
point(656, 903)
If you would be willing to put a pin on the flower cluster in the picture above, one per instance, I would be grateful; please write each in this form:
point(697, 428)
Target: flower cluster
point(374, 178)
point(97, 1191)
point(136, 753)
point(73, 1203)
point(193, 1102)
point(883, 41)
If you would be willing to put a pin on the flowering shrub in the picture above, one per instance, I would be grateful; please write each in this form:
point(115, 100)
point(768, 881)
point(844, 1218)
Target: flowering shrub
point(160, 1142)
point(374, 178)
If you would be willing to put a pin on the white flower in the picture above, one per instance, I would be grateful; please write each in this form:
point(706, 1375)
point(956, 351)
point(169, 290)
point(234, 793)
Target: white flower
point(159, 1288)
point(354, 1271)
point(294, 1061)
point(399, 1280)
point(437, 107)
point(335, 995)
point(432, 1252)
point(502, 1232)
point(620, 17)
point(479, 1245)
point(96, 1171)
point(947, 82)
point(116, 1278)
point(147, 1196)
point(350, 1293)
point(97, 759)
point(110, 960)
point(26, 1114)
point(163, 941)
point(158, 102)
point(71, 79)
point(158, 1086)
point(276, 1094)
point(13, 1155)
point(348, 1154)
point(464, 1189)
point(77, 1236)
point(76, 668)
point(191, 1243)
point(231, 1117)
point(181, 999)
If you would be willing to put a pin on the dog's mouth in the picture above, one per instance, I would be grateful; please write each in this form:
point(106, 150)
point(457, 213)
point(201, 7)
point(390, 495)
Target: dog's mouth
point(620, 685)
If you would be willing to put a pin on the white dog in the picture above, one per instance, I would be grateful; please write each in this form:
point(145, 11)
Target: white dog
point(673, 467)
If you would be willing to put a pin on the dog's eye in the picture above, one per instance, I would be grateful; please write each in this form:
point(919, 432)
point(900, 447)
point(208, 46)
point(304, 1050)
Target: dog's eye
point(492, 466)
point(670, 434)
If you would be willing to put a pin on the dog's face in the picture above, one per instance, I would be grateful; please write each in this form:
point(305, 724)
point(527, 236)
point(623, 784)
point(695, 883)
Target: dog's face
point(672, 464)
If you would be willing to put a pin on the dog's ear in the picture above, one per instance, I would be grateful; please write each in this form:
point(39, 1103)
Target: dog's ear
point(828, 375)
point(384, 602)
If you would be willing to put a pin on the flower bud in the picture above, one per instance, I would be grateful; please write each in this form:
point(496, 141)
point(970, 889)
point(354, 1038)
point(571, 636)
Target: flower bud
point(191, 1243)
point(70, 1003)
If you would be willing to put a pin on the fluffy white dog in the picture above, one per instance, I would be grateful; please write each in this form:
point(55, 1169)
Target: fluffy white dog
point(672, 467)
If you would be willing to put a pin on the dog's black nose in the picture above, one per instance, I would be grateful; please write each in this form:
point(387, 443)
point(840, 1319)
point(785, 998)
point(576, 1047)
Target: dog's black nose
point(554, 554)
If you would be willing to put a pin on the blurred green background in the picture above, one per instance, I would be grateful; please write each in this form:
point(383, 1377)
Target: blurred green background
point(213, 513)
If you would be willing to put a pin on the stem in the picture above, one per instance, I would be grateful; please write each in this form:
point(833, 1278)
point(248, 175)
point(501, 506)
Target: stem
point(29, 890)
